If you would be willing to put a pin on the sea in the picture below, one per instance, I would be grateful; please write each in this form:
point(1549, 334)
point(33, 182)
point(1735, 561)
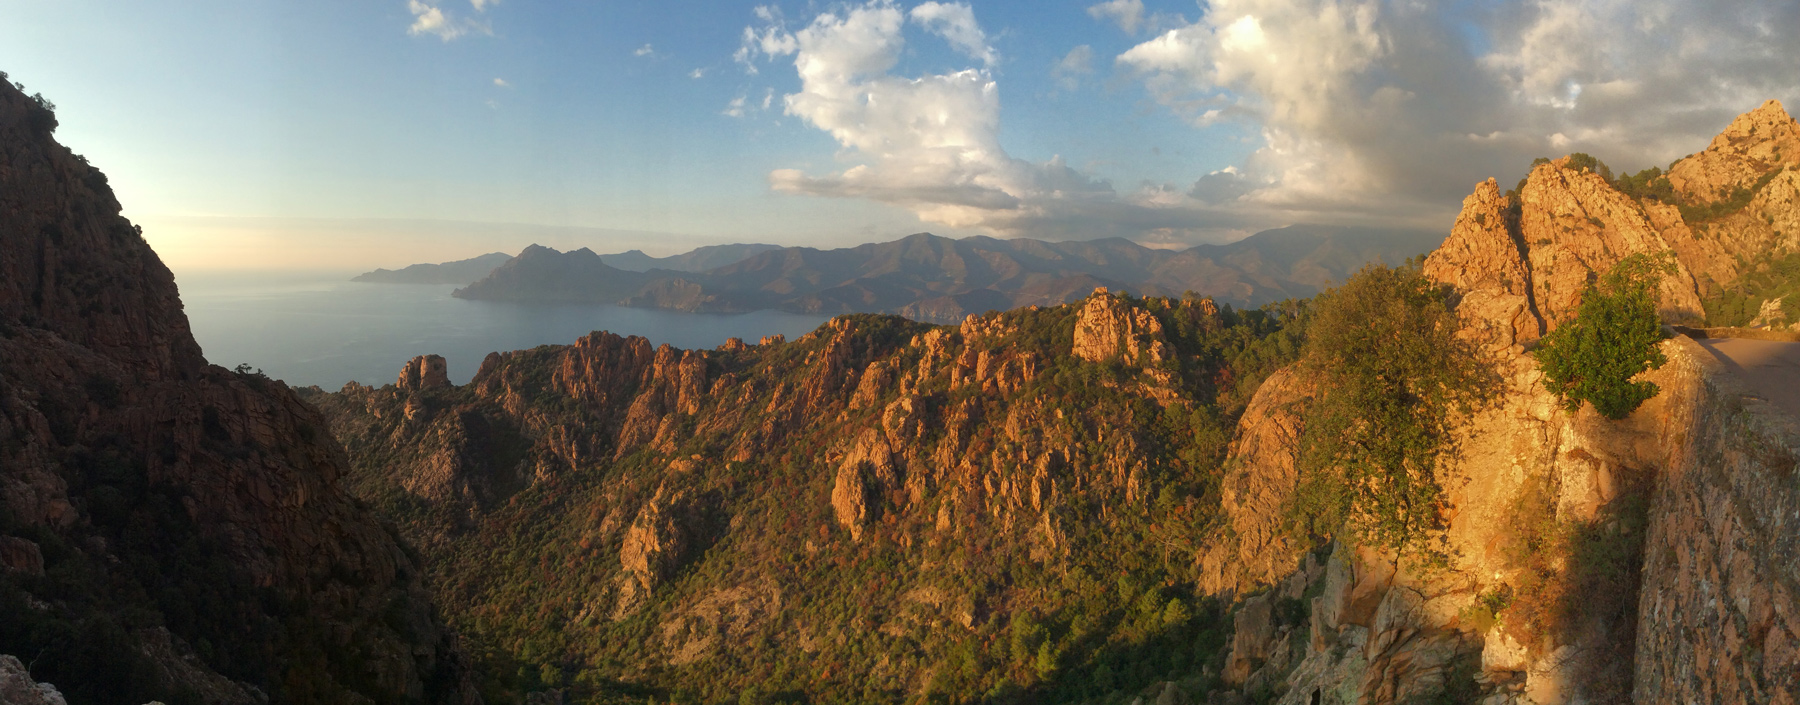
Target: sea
point(321, 329)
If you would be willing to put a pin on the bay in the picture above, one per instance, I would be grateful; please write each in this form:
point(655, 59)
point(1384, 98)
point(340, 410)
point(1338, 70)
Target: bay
point(319, 329)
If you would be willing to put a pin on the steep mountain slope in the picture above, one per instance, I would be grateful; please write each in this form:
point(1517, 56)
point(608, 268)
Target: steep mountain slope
point(877, 510)
point(1087, 502)
point(541, 274)
point(459, 272)
point(1642, 560)
point(170, 529)
point(935, 279)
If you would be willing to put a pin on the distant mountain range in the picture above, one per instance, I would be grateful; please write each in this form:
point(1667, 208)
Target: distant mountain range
point(459, 272)
point(463, 272)
point(698, 260)
point(938, 279)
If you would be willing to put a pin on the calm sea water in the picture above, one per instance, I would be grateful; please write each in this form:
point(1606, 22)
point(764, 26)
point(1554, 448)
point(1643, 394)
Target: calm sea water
point(320, 329)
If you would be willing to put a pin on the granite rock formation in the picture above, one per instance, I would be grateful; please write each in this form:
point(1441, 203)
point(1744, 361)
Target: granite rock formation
point(170, 525)
point(1668, 575)
point(904, 505)
point(720, 501)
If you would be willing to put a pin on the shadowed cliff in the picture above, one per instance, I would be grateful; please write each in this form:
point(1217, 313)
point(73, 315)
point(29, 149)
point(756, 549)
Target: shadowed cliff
point(171, 529)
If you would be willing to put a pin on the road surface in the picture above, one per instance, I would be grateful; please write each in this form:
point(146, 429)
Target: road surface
point(1767, 368)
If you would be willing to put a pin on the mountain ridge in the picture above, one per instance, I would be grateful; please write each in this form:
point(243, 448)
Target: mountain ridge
point(942, 280)
point(458, 272)
point(170, 529)
point(1084, 502)
point(467, 271)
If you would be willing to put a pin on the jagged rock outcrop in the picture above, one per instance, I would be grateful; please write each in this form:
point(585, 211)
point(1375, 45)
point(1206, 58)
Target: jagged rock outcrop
point(1259, 478)
point(1688, 497)
point(1522, 260)
point(714, 502)
point(193, 497)
point(424, 372)
point(1752, 145)
point(655, 545)
point(1109, 330)
point(17, 687)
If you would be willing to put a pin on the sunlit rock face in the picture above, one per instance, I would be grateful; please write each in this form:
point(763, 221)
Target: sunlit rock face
point(1695, 487)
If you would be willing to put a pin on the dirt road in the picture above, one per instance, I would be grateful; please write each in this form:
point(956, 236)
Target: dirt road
point(1767, 368)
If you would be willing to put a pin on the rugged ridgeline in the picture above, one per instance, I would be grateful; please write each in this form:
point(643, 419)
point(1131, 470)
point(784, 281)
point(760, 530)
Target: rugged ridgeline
point(467, 271)
point(1651, 559)
point(1084, 502)
point(170, 529)
point(936, 279)
point(880, 508)
point(459, 272)
point(699, 259)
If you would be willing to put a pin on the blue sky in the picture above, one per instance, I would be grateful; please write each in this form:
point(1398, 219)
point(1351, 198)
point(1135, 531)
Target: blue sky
point(330, 133)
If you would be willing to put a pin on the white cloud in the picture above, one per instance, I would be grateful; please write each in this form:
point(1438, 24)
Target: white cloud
point(735, 108)
point(430, 18)
point(929, 143)
point(772, 40)
point(1077, 63)
point(697, 73)
point(1129, 14)
point(1363, 112)
point(955, 22)
point(501, 83)
point(1365, 106)
point(645, 50)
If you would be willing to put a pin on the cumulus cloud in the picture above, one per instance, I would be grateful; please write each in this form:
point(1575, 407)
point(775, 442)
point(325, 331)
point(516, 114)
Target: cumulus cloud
point(430, 18)
point(645, 50)
point(955, 22)
point(1365, 105)
point(1363, 112)
point(929, 143)
point(1077, 63)
point(1129, 14)
point(501, 83)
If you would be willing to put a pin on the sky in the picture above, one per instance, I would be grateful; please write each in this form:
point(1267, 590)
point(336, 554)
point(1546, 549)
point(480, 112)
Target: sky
point(349, 134)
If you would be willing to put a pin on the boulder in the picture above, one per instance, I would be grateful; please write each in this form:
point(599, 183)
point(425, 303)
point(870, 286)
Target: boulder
point(424, 372)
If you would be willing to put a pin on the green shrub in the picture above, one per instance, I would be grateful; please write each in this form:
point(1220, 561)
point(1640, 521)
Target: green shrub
point(1612, 338)
point(1390, 373)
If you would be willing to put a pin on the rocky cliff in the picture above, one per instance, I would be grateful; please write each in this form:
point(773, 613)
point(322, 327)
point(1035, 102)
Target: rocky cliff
point(877, 510)
point(1644, 560)
point(1085, 502)
point(172, 529)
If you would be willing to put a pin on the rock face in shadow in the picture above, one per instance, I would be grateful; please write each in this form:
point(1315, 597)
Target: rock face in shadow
point(189, 520)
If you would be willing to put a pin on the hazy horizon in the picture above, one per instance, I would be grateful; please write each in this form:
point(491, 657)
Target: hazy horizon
point(293, 135)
